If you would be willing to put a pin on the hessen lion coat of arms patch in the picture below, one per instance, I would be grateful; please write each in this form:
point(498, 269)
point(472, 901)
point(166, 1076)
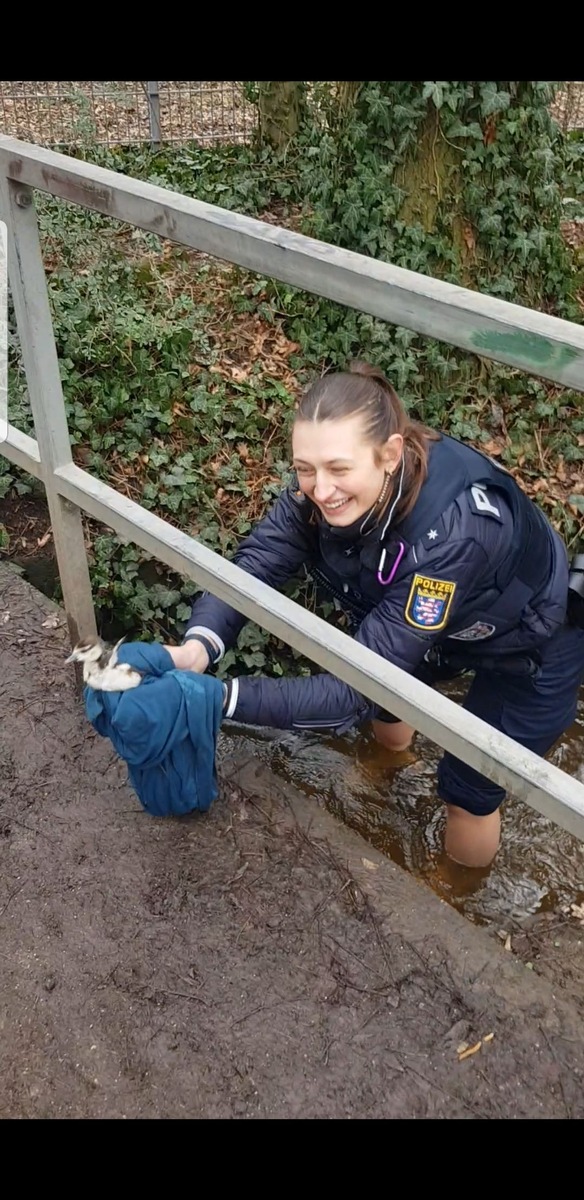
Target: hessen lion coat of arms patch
point(429, 602)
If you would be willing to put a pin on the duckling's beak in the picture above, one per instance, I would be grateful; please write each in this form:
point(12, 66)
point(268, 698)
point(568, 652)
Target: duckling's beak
point(73, 658)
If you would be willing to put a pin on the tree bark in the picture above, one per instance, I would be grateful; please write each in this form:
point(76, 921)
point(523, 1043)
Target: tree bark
point(281, 103)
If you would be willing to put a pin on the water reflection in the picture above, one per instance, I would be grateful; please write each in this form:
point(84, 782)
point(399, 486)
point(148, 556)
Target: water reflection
point(391, 801)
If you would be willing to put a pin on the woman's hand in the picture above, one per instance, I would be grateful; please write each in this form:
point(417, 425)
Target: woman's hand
point(192, 656)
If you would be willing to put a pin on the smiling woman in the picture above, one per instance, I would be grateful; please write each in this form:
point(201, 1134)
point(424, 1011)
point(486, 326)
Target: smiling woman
point(443, 566)
point(343, 488)
point(350, 436)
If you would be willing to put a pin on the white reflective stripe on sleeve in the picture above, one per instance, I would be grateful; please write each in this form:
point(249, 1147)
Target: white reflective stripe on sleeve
point(234, 697)
point(213, 637)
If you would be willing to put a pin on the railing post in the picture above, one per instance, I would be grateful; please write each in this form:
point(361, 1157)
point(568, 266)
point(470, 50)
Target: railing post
point(3, 333)
point(154, 113)
point(39, 352)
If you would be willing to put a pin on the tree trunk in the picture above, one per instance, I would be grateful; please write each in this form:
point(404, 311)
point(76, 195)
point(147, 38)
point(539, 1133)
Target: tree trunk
point(281, 103)
point(431, 177)
point(347, 92)
point(455, 180)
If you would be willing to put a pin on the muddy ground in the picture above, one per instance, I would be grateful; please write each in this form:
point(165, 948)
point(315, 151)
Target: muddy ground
point(260, 961)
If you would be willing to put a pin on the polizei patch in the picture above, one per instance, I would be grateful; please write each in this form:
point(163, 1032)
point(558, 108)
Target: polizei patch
point(429, 602)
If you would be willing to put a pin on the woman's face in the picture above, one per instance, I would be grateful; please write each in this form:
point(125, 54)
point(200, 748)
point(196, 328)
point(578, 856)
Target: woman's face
point(339, 469)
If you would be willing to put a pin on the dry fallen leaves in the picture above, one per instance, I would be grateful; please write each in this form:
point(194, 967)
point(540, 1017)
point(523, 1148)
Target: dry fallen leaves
point(208, 111)
point(492, 448)
point(371, 866)
point(469, 237)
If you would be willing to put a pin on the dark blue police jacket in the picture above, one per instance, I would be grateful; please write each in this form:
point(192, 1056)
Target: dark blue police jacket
point(165, 729)
point(474, 567)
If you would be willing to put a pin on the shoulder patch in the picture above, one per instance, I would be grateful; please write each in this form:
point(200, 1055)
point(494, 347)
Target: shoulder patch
point(434, 535)
point(429, 602)
point(484, 503)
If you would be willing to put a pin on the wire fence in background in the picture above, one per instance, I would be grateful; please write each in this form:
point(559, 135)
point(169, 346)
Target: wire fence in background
point(76, 113)
point(208, 112)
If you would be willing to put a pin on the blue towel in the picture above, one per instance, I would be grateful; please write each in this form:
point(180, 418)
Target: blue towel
point(166, 730)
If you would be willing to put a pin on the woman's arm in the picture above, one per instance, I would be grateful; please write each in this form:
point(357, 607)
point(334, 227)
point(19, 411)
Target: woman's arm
point(322, 701)
point(273, 552)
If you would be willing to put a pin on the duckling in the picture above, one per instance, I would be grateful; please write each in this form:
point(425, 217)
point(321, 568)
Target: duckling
point(101, 669)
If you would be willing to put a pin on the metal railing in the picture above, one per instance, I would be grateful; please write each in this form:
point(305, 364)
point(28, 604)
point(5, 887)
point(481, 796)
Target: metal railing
point(492, 328)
